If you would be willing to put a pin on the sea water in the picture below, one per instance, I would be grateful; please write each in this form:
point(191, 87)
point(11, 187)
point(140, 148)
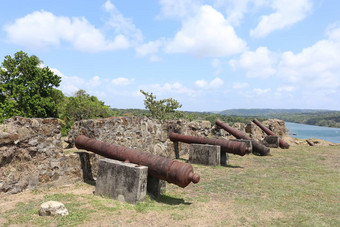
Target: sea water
point(303, 131)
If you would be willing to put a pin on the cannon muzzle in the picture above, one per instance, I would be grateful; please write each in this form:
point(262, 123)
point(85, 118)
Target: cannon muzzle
point(258, 148)
point(172, 171)
point(233, 147)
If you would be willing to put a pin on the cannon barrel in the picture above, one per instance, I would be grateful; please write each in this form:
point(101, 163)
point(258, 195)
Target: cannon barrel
point(283, 144)
point(172, 171)
point(257, 147)
point(233, 147)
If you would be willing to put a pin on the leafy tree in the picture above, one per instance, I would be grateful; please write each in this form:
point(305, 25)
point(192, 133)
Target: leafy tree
point(83, 106)
point(60, 99)
point(162, 109)
point(26, 88)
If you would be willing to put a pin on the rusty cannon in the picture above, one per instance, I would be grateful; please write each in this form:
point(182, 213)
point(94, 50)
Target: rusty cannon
point(172, 171)
point(283, 144)
point(233, 147)
point(258, 148)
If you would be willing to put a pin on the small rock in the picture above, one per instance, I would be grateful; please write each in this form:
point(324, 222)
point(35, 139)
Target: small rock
point(52, 208)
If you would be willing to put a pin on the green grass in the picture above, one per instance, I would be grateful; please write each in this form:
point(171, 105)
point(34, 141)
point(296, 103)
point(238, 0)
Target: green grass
point(295, 187)
point(297, 183)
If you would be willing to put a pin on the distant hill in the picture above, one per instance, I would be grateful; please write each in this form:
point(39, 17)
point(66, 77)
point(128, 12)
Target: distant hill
point(262, 112)
point(328, 118)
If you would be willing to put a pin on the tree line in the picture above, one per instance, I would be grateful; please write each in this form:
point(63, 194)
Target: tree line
point(28, 89)
point(325, 118)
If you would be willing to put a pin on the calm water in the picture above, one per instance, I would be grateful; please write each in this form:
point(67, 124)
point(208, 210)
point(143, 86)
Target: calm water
point(310, 131)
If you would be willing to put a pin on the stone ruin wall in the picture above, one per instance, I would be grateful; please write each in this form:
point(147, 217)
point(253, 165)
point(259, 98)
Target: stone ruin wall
point(32, 154)
point(252, 130)
point(140, 133)
point(151, 135)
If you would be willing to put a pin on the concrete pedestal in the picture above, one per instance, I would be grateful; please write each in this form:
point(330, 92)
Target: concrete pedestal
point(248, 142)
point(155, 186)
point(121, 181)
point(271, 141)
point(205, 154)
point(126, 182)
point(224, 158)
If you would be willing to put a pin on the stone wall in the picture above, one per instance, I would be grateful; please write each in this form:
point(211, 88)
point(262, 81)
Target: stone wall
point(31, 154)
point(151, 135)
point(252, 130)
point(140, 133)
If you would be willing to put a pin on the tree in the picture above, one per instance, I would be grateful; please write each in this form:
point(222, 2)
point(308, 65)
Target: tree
point(83, 106)
point(162, 109)
point(26, 87)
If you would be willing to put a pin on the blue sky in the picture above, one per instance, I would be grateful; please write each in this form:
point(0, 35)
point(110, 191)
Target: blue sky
point(209, 55)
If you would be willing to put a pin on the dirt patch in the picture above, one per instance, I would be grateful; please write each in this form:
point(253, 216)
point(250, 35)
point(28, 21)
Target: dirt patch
point(199, 214)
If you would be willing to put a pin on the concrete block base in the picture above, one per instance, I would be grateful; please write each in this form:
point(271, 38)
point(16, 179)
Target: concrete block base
point(271, 141)
point(155, 186)
point(248, 142)
point(205, 154)
point(224, 158)
point(121, 181)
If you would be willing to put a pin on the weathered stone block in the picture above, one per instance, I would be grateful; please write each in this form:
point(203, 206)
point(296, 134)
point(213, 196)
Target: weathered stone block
point(271, 141)
point(121, 181)
point(248, 142)
point(205, 154)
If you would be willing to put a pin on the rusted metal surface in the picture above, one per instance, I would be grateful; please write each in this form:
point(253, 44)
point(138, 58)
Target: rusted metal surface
point(283, 144)
point(172, 171)
point(233, 147)
point(258, 148)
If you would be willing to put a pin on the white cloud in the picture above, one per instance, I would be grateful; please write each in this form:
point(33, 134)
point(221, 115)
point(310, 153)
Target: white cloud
point(201, 83)
point(287, 13)
point(69, 84)
point(122, 81)
point(206, 34)
point(215, 83)
point(260, 91)
point(151, 48)
point(169, 89)
point(286, 89)
point(260, 64)
point(217, 65)
point(316, 67)
point(122, 25)
point(108, 6)
point(238, 85)
point(99, 87)
point(333, 32)
point(42, 29)
point(236, 10)
point(95, 81)
point(178, 9)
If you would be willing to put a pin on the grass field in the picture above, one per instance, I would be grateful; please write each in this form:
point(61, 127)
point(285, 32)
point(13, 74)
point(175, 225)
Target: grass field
point(295, 187)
